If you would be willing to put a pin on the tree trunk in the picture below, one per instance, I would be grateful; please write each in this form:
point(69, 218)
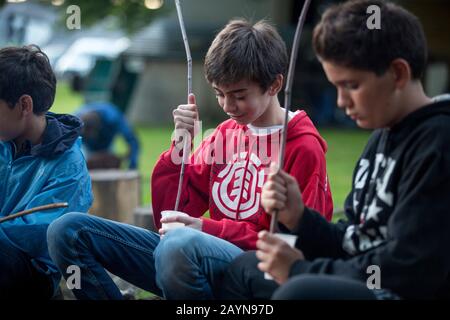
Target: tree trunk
point(116, 194)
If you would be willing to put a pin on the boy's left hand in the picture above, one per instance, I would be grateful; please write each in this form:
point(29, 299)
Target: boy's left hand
point(276, 256)
point(191, 222)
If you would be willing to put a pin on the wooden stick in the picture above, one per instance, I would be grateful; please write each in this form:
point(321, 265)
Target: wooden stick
point(186, 45)
point(32, 210)
point(287, 95)
point(189, 78)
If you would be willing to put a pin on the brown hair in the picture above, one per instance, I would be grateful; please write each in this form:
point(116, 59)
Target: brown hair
point(248, 51)
point(342, 37)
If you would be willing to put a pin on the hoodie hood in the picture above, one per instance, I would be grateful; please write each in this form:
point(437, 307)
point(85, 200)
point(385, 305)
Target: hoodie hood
point(439, 106)
point(301, 125)
point(60, 134)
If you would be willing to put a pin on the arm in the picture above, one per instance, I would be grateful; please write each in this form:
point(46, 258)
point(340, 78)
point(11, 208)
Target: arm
point(317, 237)
point(413, 261)
point(166, 174)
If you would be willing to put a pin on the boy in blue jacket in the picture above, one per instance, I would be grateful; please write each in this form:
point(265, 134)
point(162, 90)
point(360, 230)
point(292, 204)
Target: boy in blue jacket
point(40, 163)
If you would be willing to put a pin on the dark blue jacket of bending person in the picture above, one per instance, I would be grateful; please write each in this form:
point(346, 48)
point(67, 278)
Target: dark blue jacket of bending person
point(111, 122)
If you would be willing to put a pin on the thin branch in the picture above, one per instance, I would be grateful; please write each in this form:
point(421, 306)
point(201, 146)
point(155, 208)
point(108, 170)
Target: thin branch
point(189, 78)
point(35, 209)
point(287, 94)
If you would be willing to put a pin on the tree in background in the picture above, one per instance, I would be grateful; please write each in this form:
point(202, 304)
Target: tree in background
point(132, 14)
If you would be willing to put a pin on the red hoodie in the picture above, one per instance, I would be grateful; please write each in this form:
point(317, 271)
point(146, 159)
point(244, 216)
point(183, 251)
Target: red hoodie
point(216, 178)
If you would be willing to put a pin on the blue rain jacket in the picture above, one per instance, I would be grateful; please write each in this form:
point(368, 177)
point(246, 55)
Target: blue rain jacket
point(53, 171)
point(112, 123)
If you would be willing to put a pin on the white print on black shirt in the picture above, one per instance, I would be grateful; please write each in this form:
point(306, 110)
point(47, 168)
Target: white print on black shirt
point(371, 231)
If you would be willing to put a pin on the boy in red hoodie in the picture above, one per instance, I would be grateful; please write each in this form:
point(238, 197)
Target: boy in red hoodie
point(246, 65)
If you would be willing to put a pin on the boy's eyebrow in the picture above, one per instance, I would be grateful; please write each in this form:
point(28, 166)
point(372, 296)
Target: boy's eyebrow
point(231, 91)
point(343, 82)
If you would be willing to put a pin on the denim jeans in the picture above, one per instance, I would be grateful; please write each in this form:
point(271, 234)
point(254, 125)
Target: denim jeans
point(184, 264)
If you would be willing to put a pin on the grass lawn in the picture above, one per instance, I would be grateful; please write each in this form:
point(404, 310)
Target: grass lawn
point(344, 148)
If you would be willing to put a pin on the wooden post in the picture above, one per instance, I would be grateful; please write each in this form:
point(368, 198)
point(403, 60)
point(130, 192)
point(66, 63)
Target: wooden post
point(143, 217)
point(116, 194)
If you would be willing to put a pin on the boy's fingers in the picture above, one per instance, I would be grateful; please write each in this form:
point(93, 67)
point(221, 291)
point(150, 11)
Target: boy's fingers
point(274, 168)
point(276, 178)
point(261, 255)
point(184, 126)
point(268, 238)
point(264, 267)
point(185, 113)
point(276, 185)
point(187, 107)
point(180, 218)
point(287, 177)
point(186, 120)
point(262, 246)
point(191, 98)
point(183, 219)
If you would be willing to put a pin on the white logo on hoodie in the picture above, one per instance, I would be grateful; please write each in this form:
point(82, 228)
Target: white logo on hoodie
point(239, 188)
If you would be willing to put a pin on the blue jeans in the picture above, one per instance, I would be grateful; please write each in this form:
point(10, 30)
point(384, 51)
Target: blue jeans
point(184, 264)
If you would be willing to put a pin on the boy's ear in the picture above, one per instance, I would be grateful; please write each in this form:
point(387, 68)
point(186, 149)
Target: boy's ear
point(401, 71)
point(26, 104)
point(276, 86)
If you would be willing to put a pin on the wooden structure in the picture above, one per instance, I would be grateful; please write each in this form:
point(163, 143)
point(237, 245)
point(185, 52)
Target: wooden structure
point(116, 194)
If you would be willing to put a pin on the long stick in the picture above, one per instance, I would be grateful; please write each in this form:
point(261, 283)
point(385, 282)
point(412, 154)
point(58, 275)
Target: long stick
point(32, 210)
point(287, 94)
point(189, 78)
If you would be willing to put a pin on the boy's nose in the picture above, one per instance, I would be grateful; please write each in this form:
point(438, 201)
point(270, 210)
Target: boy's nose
point(228, 105)
point(343, 100)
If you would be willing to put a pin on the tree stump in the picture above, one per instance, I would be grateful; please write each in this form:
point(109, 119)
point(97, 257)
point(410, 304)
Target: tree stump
point(143, 217)
point(116, 194)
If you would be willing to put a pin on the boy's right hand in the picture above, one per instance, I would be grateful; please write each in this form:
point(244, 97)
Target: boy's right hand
point(185, 118)
point(281, 192)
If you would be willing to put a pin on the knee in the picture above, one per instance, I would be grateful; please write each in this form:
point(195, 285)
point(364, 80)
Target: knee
point(244, 263)
point(62, 230)
point(305, 287)
point(176, 252)
point(176, 246)
point(236, 283)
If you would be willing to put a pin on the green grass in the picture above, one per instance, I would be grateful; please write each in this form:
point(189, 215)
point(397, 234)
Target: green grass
point(66, 101)
point(344, 148)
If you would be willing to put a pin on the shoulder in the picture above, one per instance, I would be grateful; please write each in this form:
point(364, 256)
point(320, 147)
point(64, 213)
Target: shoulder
point(71, 159)
point(307, 148)
point(432, 132)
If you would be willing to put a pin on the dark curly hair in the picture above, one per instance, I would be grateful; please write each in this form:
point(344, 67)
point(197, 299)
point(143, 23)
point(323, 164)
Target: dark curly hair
point(27, 70)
